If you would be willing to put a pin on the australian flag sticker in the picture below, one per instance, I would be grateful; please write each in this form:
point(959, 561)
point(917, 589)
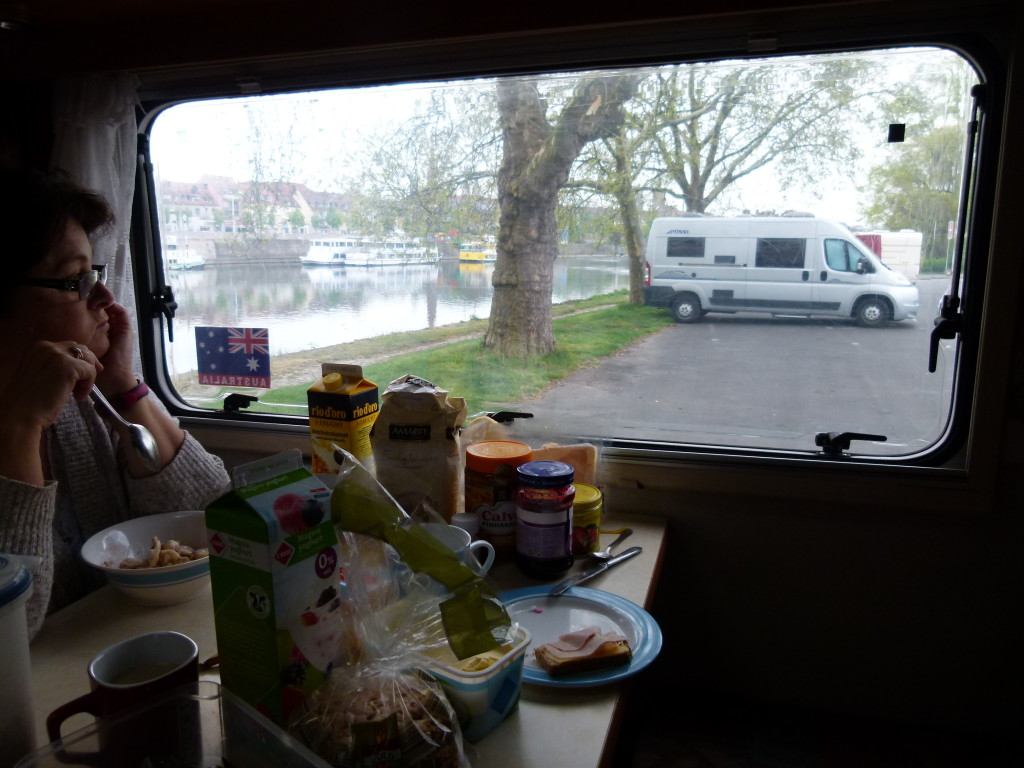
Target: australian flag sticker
point(233, 357)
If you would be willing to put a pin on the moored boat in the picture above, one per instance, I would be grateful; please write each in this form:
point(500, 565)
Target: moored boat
point(180, 256)
point(331, 252)
point(392, 253)
point(477, 253)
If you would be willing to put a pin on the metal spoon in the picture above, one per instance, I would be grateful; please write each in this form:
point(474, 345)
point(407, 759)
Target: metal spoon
point(141, 441)
point(607, 551)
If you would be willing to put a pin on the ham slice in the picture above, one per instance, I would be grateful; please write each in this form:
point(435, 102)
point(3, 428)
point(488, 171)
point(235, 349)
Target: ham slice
point(585, 649)
point(582, 642)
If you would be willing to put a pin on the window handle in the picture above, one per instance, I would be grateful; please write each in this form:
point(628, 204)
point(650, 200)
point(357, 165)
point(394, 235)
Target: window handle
point(163, 303)
point(508, 417)
point(236, 400)
point(834, 443)
point(948, 324)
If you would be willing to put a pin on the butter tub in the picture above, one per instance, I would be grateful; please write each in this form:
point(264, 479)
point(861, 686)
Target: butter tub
point(483, 699)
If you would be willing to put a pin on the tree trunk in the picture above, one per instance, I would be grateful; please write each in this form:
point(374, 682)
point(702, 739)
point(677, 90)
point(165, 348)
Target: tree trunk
point(520, 323)
point(536, 159)
point(629, 214)
point(635, 251)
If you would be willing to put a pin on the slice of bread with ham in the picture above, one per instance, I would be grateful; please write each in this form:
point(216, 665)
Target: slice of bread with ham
point(585, 650)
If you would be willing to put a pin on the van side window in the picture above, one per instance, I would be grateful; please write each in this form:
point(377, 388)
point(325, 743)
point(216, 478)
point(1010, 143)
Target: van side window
point(780, 252)
point(317, 235)
point(841, 255)
point(685, 247)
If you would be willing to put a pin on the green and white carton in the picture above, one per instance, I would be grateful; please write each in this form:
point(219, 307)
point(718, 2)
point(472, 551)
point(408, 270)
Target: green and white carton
point(274, 569)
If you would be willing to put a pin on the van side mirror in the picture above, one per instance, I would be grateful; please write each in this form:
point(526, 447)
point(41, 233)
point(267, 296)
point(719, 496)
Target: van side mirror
point(863, 266)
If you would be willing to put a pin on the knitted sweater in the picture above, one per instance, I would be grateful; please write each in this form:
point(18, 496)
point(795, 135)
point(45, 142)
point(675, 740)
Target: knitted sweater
point(91, 491)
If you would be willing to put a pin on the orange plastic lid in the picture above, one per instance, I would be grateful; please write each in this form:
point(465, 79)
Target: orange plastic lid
point(487, 455)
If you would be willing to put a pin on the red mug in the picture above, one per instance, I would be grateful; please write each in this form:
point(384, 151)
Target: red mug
point(125, 680)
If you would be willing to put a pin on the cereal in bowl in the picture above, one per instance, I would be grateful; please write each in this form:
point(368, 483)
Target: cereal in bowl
point(163, 553)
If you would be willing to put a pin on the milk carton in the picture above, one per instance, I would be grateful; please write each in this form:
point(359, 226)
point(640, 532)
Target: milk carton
point(277, 600)
point(342, 408)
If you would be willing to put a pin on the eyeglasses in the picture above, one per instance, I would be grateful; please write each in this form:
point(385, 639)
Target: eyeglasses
point(83, 284)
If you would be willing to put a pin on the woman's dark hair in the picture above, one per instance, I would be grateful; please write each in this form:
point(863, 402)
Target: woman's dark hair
point(35, 209)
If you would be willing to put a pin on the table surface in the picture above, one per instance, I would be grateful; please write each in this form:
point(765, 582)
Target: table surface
point(553, 726)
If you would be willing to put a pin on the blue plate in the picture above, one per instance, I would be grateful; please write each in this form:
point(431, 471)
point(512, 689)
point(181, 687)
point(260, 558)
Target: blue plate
point(548, 618)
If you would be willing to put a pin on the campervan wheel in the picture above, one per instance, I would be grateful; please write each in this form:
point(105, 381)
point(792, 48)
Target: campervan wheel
point(872, 311)
point(686, 308)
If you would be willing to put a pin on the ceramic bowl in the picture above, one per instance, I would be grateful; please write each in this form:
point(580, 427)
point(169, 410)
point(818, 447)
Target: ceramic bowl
point(164, 585)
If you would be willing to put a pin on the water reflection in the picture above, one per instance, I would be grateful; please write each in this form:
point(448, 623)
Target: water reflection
point(311, 307)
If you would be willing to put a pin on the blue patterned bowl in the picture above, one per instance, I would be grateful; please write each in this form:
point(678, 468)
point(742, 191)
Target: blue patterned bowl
point(162, 585)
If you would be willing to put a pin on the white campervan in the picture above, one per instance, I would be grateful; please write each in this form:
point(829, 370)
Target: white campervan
point(782, 265)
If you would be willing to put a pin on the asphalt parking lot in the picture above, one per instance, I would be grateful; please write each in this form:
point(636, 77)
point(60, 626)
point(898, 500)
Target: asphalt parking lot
point(756, 380)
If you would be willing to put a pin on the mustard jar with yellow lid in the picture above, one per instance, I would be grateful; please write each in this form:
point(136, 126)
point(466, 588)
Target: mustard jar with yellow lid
point(586, 519)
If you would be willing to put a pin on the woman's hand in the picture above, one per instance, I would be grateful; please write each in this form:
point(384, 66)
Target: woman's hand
point(117, 374)
point(32, 397)
point(40, 384)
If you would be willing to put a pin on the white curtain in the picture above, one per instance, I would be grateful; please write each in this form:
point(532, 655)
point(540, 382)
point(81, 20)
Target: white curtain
point(96, 143)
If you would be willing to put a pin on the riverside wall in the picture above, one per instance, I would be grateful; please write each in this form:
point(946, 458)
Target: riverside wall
point(245, 251)
point(227, 248)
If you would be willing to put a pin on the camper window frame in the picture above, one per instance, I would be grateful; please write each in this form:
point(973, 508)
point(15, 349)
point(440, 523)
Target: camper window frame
point(685, 243)
point(767, 250)
point(657, 43)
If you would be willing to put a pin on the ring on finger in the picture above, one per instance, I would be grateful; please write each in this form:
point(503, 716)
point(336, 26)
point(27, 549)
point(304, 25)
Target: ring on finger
point(77, 352)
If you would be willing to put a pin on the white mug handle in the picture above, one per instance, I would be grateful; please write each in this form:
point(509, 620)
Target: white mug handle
point(488, 558)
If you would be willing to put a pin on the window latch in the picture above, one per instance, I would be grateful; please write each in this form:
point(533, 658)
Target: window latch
point(948, 324)
point(508, 417)
point(163, 303)
point(834, 443)
point(236, 401)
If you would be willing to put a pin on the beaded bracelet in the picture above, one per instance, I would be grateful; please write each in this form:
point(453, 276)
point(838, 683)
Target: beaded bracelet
point(126, 400)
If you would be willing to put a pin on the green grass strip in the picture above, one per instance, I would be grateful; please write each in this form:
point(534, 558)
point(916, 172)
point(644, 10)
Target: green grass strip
point(485, 379)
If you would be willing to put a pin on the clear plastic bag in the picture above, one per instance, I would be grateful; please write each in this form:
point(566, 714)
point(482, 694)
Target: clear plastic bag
point(377, 714)
point(410, 600)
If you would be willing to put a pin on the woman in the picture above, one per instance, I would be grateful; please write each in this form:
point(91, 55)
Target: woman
point(64, 475)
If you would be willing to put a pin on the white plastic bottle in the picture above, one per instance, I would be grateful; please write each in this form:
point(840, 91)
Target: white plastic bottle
point(17, 718)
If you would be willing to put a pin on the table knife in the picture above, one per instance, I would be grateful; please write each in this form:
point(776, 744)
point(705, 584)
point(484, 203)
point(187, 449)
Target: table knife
point(590, 573)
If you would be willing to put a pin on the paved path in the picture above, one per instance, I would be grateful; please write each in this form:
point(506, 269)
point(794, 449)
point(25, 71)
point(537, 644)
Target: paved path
point(757, 380)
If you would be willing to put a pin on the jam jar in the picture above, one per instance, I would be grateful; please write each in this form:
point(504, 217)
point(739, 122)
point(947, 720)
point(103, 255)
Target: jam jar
point(544, 501)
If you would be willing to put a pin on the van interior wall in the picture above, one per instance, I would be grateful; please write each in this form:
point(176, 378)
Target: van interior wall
point(26, 132)
point(905, 615)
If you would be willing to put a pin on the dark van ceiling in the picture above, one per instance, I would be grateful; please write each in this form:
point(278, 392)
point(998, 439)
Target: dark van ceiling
point(65, 36)
point(113, 34)
point(40, 38)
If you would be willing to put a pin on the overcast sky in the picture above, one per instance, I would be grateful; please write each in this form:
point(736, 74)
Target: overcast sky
point(309, 138)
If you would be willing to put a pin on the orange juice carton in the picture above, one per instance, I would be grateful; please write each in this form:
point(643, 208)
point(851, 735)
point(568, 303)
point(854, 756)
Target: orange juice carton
point(277, 597)
point(342, 408)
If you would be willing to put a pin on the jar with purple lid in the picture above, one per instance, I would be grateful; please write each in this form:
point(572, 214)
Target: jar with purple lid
point(544, 502)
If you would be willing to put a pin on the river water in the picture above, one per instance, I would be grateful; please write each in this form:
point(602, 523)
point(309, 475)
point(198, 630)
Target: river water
point(311, 307)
